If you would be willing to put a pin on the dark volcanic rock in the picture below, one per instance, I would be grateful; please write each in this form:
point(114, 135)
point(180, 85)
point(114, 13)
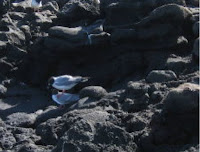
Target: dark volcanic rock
point(24, 134)
point(195, 51)
point(93, 92)
point(135, 89)
point(88, 133)
point(116, 43)
point(183, 99)
point(50, 112)
point(157, 96)
point(178, 64)
point(64, 38)
point(84, 103)
point(136, 97)
point(171, 13)
point(3, 90)
point(161, 76)
point(48, 131)
point(178, 122)
point(7, 140)
point(21, 119)
point(195, 28)
point(133, 11)
point(76, 10)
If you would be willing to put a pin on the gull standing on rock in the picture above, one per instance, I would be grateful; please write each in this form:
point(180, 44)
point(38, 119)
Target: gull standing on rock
point(65, 82)
point(64, 98)
point(36, 4)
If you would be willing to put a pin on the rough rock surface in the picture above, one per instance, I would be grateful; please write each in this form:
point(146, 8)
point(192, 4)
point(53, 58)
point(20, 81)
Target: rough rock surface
point(142, 59)
point(161, 76)
point(93, 92)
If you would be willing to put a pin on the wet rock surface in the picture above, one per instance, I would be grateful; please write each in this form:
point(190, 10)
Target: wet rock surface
point(141, 58)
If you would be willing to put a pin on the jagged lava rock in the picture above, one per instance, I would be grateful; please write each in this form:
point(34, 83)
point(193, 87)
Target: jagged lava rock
point(21, 119)
point(183, 99)
point(136, 96)
point(88, 133)
point(7, 140)
point(75, 10)
point(178, 121)
point(178, 64)
point(135, 89)
point(161, 76)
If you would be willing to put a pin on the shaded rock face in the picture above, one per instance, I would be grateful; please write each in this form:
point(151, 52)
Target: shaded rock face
point(187, 94)
point(124, 46)
point(74, 11)
point(142, 60)
point(195, 51)
point(177, 123)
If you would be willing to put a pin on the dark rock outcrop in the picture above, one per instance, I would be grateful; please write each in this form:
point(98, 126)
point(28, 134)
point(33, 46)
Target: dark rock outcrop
point(93, 92)
point(142, 60)
point(161, 76)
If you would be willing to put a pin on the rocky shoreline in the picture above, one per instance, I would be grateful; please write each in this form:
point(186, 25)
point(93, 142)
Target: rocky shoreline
point(142, 58)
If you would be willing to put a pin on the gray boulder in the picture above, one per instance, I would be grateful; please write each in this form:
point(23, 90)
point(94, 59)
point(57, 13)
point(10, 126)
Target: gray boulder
point(174, 14)
point(48, 113)
point(7, 140)
point(136, 89)
point(3, 91)
point(179, 116)
point(21, 119)
point(183, 99)
point(93, 92)
point(136, 96)
point(24, 134)
point(42, 20)
point(87, 133)
point(125, 13)
point(135, 105)
point(64, 38)
point(157, 96)
point(178, 64)
point(49, 130)
point(71, 34)
point(86, 102)
point(161, 76)
point(76, 10)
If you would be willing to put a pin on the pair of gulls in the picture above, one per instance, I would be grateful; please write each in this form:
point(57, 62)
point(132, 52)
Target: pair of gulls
point(63, 83)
